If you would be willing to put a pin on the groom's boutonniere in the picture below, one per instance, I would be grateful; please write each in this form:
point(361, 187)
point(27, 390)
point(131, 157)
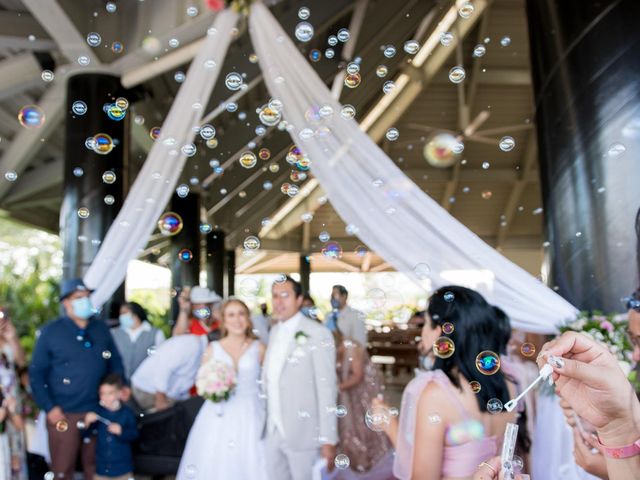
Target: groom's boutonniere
point(301, 337)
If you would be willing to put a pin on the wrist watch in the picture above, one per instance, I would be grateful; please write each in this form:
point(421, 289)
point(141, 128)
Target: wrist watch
point(627, 451)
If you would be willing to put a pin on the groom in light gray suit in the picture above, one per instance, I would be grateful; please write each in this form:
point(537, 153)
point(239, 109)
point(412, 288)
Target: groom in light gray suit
point(300, 380)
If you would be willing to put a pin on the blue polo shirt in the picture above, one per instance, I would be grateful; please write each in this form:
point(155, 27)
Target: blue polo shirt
point(113, 452)
point(68, 364)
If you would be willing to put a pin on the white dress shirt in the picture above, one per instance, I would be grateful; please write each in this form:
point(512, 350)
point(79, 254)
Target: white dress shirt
point(172, 368)
point(145, 327)
point(278, 348)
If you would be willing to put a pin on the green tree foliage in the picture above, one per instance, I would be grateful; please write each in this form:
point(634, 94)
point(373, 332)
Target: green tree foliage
point(30, 270)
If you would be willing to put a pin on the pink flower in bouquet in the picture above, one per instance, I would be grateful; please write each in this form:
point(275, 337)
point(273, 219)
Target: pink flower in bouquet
point(215, 5)
point(607, 325)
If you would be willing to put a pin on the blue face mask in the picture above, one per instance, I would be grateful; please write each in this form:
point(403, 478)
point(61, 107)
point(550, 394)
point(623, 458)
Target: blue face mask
point(126, 321)
point(335, 303)
point(309, 312)
point(82, 307)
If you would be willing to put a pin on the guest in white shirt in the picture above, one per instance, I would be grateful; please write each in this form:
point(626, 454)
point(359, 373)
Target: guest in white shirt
point(167, 375)
point(348, 320)
point(135, 337)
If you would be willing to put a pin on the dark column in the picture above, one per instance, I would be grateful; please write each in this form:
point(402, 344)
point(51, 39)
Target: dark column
point(586, 73)
point(230, 273)
point(186, 273)
point(85, 216)
point(215, 261)
point(305, 273)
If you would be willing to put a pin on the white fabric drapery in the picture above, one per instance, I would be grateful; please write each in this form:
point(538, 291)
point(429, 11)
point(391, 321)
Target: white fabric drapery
point(392, 215)
point(155, 183)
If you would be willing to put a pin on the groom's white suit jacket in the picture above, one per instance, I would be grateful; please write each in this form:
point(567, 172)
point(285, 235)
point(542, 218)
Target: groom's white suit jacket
point(301, 364)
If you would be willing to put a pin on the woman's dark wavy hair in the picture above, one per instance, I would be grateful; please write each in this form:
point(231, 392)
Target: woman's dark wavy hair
point(476, 328)
point(137, 310)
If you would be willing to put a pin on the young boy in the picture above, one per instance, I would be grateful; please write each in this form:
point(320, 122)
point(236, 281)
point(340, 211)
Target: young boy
point(115, 426)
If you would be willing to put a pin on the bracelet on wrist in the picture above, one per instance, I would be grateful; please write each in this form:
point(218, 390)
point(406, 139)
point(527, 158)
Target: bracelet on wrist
point(627, 451)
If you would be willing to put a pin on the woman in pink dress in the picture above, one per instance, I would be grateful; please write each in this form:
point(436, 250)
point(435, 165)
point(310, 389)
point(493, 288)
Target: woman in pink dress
point(451, 418)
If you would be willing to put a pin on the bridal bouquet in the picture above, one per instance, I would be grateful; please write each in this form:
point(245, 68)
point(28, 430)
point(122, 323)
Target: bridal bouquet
point(215, 381)
point(610, 330)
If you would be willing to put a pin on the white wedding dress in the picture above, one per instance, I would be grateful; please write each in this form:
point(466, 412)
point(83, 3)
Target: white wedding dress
point(224, 441)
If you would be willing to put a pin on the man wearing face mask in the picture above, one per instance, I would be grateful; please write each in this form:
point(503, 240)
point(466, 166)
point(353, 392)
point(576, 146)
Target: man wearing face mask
point(72, 355)
point(348, 320)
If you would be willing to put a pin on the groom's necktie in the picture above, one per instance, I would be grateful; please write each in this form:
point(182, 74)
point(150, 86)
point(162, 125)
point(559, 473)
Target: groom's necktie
point(332, 322)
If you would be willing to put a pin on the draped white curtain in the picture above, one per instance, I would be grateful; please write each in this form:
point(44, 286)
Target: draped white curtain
point(156, 181)
point(393, 216)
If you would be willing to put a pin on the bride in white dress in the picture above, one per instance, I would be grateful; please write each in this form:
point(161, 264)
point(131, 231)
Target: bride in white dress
point(224, 441)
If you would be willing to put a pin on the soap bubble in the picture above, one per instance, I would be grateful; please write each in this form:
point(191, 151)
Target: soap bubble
point(443, 347)
point(117, 47)
point(315, 55)
point(111, 7)
point(79, 107)
point(616, 150)
point(487, 194)
point(348, 111)
point(466, 10)
point(192, 11)
point(389, 51)
point(449, 297)
point(116, 113)
point(324, 236)
point(78, 172)
point(446, 38)
point(248, 160)
point(507, 143)
point(170, 224)
point(341, 411)
point(422, 271)
point(94, 39)
point(457, 74)
point(11, 176)
point(329, 53)
point(411, 47)
point(377, 418)
point(505, 41)
point(494, 406)
point(264, 154)
point(332, 251)
point(233, 81)
point(352, 80)
point(183, 190)
point(304, 31)
point(488, 362)
point(332, 40)
point(388, 87)
point(392, 134)
point(154, 133)
point(352, 68)
point(269, 115)
point(342, 462)
point(185, 255)
point(102, 143)
point(83, 212)
point(304, 13)
point(528, 349)
point(475, 386)
point(343, 35)
point(83, 60)
point(109, 199)
point(106, 354)
point(251, 243)
point(207, 131)
point(31, 116)
point(479, 50)
point(447, 328)
point(62, 426)
point(47, 75)
point(381, 71)
point(109, 177)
